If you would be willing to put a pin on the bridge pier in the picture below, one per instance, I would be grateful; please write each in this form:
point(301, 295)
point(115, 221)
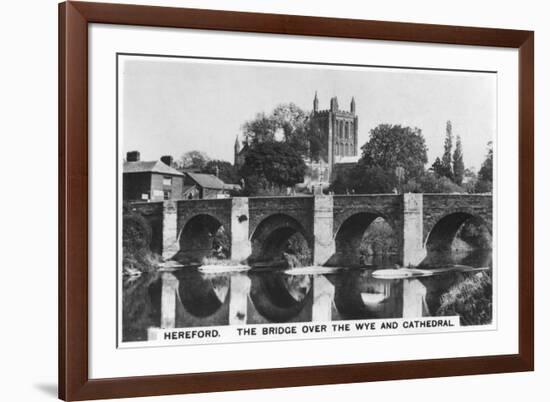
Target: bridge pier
point(323, 220)
point(323, 298)
point(412, 247)
point(241, 247)
point(168, 300)
point(238, 299)
point(414, 298)
point(170, 244)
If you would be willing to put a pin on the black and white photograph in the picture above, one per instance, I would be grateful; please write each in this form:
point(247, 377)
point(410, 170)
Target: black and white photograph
point(273, 200)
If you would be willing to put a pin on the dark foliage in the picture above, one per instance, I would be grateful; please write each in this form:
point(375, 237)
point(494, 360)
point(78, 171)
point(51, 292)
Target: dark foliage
point(272, 163)
point(430, 182)
point(446, 159)
point(458, 162)
point(471, 299)
point(391, 146)
point(486, 171)
point(365, 180)
point(194, 160)
point(223, 169)
point(136, 240)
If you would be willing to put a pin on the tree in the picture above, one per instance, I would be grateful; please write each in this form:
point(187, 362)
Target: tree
point(432, 183)
point(272, 163)
point(446, 160)
point(364, 180)
point(485, 175)
point(437, 167)
point(286, 121)
point(486, 170)
point(223, 169)
point(261, 129)
point(391, 146)
point(372, 180)
point(470, 180)
point(458, 162)
point(194, 160)
point(293, 122)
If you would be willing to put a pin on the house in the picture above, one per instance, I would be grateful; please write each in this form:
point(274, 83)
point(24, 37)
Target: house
point(151, 180)
point(202, 185)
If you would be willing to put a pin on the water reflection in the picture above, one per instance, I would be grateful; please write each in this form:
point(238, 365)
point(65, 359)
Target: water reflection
point(200, 293)
point(276, 296)
point(358, 295)
point(273, 295)
point(140, 305)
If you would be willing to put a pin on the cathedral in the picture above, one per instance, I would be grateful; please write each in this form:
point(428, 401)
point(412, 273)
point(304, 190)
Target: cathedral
point(335, 133)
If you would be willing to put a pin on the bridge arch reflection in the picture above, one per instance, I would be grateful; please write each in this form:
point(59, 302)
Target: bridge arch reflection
point(277, 297)
point(201, 294)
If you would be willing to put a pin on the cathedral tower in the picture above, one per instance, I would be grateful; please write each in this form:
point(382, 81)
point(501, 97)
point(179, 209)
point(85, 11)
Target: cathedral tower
point(337, 132)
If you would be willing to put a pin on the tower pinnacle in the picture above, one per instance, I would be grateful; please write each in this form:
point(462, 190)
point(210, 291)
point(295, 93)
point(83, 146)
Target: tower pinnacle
point(315, 103)
point(334, 104)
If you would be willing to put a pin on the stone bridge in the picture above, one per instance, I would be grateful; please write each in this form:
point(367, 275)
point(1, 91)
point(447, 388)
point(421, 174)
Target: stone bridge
point(331, 225)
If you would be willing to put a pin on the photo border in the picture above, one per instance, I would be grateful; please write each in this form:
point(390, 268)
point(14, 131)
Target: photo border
point(493, 326)
point(74, 18)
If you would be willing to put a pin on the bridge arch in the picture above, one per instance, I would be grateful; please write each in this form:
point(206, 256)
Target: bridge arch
point(271, 236)
point(349, 236)
point(443, 229)
point(203, 235)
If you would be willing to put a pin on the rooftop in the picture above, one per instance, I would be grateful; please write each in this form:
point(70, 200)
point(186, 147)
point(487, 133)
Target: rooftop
point(207, 181)
point(150, 167)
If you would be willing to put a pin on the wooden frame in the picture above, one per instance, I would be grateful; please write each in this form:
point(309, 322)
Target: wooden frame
point(74, 18)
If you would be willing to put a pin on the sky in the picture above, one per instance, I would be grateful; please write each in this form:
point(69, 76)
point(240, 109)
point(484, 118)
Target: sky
point(174, 105)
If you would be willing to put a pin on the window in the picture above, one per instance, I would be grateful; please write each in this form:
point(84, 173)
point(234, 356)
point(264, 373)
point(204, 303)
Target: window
point(166, 181)
point(167, 194)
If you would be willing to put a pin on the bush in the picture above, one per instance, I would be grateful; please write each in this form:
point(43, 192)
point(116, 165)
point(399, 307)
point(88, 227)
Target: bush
point(136, 241)
point(378, 239)
point(484, 186)
point(365, 180)
point(475, 234)
point(297, 246)
point(471, 299)
point(429, 182)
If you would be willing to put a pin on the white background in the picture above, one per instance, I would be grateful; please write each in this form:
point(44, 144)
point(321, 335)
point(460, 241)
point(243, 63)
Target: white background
point(28, 89)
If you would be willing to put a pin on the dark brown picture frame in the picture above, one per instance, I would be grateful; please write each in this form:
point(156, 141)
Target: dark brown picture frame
point(74, 17)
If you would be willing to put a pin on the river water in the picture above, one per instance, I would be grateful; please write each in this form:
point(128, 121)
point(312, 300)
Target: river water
point(279, 295)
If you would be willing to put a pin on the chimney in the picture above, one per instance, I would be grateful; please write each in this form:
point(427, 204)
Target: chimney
point(167, 160)
point(132, 156)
